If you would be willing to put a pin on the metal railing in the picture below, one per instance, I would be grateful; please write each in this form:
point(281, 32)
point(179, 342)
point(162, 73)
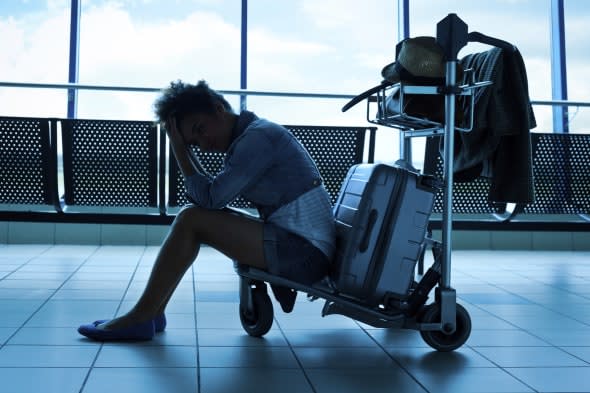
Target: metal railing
point(78, 86)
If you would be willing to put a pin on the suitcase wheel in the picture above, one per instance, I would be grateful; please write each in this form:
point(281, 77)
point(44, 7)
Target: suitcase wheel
point(258, 320)
point(440, 340)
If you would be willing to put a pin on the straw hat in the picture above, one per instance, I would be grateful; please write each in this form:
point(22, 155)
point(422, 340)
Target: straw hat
point(419, 60)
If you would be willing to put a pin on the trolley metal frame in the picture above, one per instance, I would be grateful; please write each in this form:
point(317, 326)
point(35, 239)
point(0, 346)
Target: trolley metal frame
point(443, 324)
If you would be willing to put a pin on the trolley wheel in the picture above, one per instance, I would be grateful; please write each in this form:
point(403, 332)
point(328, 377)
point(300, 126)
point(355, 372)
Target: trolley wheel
point(440, 340)
point(258, 321)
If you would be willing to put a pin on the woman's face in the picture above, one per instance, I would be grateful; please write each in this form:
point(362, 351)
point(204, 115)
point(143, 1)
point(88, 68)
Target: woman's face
point(208, 131)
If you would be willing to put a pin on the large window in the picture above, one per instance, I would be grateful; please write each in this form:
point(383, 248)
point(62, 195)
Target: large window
point(34, 47)
point(308, 46)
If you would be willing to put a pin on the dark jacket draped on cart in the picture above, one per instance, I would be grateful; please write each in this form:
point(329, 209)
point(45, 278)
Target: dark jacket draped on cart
point(499, 145)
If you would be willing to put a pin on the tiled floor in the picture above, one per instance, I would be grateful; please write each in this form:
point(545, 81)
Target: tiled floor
point(530, 313)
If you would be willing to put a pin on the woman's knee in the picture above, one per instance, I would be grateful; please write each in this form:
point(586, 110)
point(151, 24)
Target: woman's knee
point(188, 217)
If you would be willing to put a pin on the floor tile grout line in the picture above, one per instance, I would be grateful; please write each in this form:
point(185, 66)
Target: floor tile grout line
point(195, 316)
point(528, 301)
point(392, 358)
point(292, 349)
point(524, 277)
point(91, 367)
point(32, 258)
point(101, 345)
point(96, 248)
point(505, 369)
point(535, 280)
point(131, 279)
point(550, 345)
point(497, 366)
point(518, 328)
point(573, 355)
point(508, 370)
point(51, 295)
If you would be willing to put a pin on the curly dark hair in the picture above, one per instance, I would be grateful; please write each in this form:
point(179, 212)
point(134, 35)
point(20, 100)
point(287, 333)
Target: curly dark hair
point(180, 99)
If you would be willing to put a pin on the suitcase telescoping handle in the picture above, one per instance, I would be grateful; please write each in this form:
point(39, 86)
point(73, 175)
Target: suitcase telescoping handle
point(372, 219)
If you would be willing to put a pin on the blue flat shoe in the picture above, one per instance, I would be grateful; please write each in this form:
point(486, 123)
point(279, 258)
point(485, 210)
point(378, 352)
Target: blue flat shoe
point(138, 332)
point(159, 323)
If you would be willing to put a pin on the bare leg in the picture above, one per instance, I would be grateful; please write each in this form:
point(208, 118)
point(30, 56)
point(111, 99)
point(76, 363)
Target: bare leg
point(162, 307)
point(236, 236)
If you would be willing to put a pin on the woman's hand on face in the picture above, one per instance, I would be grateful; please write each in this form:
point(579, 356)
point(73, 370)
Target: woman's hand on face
point(172, 130)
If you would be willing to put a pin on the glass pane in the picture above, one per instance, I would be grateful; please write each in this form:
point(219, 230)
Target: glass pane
point(149, 44)
point(124, 105)
point(335, 46)
point(34, 44)
point(577, 15)
point(119, 105)
point(328, 46)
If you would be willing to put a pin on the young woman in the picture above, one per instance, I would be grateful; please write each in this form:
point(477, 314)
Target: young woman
point(294, 235)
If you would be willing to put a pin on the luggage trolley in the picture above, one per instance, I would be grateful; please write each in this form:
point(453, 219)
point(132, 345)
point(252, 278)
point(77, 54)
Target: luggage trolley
point(443, 324)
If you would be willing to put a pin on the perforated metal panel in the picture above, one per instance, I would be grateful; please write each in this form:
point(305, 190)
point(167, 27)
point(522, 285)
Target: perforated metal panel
point(334, 149)
point(560, 171)
point(27, 170)
point(561, 174)
point(110, 163)
point(468, 198)
point(212, 162)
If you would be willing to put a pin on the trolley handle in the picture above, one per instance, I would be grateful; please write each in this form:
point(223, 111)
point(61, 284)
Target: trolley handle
point(366, 94)
point(475, 36)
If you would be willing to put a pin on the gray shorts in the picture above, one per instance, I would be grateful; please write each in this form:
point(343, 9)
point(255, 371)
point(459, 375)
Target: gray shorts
point(293, 257)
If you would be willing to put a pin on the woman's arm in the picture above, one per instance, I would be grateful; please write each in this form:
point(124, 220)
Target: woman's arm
point(197, 163)
point(185, 157)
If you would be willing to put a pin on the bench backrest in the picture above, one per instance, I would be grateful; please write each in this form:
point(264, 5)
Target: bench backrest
point(110, 164)
point(469, 197)
point(560, 172)
point(27, 163)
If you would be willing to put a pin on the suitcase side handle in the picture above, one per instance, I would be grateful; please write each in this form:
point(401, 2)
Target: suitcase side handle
point(372, 219)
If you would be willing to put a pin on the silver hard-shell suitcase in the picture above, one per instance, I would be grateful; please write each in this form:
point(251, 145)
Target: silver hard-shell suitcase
point(382, 215)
